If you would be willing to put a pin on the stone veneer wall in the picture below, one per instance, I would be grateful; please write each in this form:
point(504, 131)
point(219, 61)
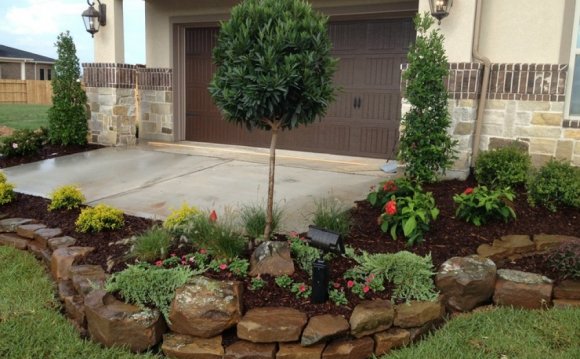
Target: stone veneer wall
point(525, 103)
point(124, 97)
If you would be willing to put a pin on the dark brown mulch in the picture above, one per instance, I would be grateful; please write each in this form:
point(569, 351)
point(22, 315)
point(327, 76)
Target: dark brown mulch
point(48, 151)
point(448, 237)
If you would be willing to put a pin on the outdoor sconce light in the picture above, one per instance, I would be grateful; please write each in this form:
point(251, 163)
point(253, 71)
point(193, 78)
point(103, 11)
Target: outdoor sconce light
point(325, 241)
point(440, 8)
point(93, 19)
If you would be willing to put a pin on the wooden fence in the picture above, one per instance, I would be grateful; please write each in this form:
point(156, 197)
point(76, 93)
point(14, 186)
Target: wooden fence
point(25, 91)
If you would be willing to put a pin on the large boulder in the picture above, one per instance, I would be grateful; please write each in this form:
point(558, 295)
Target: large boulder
point(322, 328)
point(297, 351)
point(115, 323)
point(248, 350)
point(417, 313)
point(349, 349)
point(272, 258)
point(522, 290)
point(187, 347)
point(271, 325)
point(205, 307)
point(466, 282)
point(371, 317)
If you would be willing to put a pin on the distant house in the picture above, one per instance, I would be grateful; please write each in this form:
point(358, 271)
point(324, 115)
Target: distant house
point(17, 64)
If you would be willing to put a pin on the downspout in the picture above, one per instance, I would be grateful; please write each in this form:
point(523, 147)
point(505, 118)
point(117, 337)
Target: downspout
point(484, 83)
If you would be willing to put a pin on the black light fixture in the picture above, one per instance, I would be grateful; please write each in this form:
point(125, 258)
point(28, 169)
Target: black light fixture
point(93, 19)
point(440, 8)
point(325, 241)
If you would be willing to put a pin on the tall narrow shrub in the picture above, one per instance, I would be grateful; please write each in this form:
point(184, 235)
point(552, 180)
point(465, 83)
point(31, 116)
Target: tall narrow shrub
point(274, 70)
point(67, 118)
point(426, 147)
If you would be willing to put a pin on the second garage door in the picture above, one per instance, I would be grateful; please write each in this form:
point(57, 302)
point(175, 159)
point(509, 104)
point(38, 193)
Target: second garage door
point(364, 119)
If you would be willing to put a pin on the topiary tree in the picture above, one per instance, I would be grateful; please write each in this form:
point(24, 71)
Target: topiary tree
point(67, 118)
point(426, 147)
point(274, 70)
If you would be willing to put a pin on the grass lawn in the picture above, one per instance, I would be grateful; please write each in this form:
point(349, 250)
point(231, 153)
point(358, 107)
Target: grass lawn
point(20, 116)
point(30, 323)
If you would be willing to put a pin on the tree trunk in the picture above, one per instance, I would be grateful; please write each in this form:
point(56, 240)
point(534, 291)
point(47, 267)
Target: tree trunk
point(270, 208)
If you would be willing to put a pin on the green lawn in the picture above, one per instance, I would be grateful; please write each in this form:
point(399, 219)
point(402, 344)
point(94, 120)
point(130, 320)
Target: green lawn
point(30, 323)
point(20, 116)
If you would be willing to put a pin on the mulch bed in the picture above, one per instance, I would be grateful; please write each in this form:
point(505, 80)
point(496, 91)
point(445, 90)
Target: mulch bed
point(447, 238)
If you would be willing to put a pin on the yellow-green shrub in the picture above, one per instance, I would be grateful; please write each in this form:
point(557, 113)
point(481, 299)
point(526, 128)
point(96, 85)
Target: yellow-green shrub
point(178, 217)
point(67, 197)
point(99, 218)
point(6, 192)
point(3, 178)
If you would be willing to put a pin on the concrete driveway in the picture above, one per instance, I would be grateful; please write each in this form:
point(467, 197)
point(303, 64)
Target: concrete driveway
point(152, 179)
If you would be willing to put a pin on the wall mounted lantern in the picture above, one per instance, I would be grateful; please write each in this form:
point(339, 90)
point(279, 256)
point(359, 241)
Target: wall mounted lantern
point(440, 8)
point(93, 19)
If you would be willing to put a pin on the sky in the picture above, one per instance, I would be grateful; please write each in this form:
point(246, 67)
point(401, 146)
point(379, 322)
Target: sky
point(33, 25)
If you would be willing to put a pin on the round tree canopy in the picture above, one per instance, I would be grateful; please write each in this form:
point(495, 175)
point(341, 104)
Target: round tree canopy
point(274, 65)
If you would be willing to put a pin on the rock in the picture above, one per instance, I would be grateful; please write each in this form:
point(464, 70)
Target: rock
point(568, 289)
point(74, 307)
point(13, 240)
point(86, 278)
point(297, 351)
point(42, 235)
point(112, 322)
point(247, 350)
point(60, 242)
point(391, 339)
point(64, 258)
point(65, 289)
point(205, 307)
point(349, 349)
point(27, 230)
point(566, 303)
point(522, 290)
point(466, 282)
point(545, 242)
point(371, 317)
point(10, 224)
point(417, 313)
point(417, 333)
point(271, 325)
point(515, 244)
point(272, 258)
point(322, 328)
point(493, 253)
point(187, 347)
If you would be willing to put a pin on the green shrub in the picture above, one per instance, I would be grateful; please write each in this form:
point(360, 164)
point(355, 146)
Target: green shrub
point(67, 197)
point(409, 215)
point(23, 142)
point(151, 245)
point(178, 217)
point(3, 177)
point(400, 187)
point(566, 260)
point(6, 192)
point(331, 215)
point(253, 219)
point(502, 167)
point(99, 218)
point(480, 204)
point(147, 285)
point(410, 273)
point(221, 238)
point(556, 184)
point(283, 281)
point(303, 253)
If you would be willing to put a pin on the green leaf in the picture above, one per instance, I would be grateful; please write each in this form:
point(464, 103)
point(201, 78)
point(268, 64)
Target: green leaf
point(409, 226)
point(394, 231)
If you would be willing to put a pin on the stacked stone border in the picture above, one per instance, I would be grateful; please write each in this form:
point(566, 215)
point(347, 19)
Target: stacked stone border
point(375, 327)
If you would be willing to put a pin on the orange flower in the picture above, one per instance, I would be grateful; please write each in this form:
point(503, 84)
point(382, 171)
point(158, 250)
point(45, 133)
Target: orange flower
point(213, 216)
point(391, 208)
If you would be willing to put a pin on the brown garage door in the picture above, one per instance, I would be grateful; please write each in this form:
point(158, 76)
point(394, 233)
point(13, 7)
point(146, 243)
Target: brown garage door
point(364, 119)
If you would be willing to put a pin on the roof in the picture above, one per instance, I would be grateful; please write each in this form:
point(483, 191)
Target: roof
point(11, 52)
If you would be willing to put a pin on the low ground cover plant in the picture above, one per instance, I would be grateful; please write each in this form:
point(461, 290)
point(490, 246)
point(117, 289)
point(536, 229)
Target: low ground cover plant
point(66, 197)
point(331, 215)
point(566, 260)
point(555, 185)
point(99, 218)
point(503, 167)
point(23, 142)
point(479, 205)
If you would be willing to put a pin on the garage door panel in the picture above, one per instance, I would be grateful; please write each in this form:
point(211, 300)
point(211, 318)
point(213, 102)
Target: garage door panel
point(342, 107)
point(345, 72)
point(401, 35)
point(379, 106)
point(382, 72)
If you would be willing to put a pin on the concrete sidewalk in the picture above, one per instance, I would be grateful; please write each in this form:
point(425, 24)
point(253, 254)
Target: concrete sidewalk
point(152, 179)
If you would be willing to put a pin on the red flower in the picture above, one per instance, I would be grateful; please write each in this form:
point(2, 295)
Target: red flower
point(391, 208)
point(159, 263)
point(213, 216)
point(302, 288)
point(366, 288)
point(202, 251)
point(184, 262)
point(468, 190)
point(390, 186)
point(350, 284)
point(223, 266)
